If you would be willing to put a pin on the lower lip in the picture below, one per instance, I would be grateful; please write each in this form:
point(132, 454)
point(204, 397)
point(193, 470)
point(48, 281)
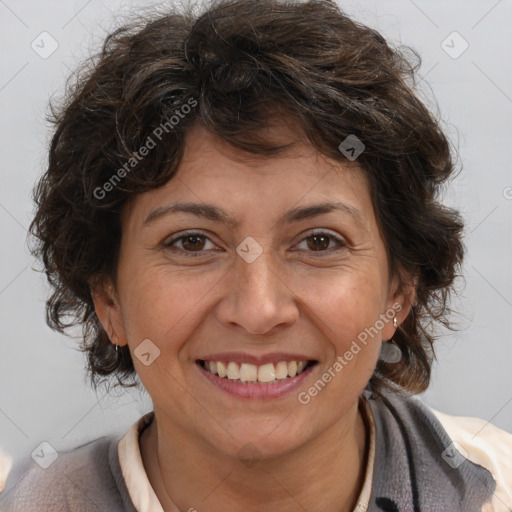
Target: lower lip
point(249, 390)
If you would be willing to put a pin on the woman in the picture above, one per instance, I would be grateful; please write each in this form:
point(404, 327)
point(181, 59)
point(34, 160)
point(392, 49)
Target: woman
point(241, 211)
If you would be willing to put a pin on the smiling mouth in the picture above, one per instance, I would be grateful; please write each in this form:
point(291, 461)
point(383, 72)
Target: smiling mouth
point(246, 373)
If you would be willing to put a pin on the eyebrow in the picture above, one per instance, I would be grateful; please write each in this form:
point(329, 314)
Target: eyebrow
point(214, 213)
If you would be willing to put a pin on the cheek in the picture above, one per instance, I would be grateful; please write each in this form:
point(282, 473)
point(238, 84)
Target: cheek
point(346, 302)
point(347, 316)
point(162, 307)
point(347, 311)
point(165, 305)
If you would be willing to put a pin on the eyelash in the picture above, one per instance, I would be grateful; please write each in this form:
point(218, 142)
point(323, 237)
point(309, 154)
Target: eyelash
point(194, 254)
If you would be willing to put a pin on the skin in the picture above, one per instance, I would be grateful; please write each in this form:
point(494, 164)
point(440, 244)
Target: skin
point(290, 299)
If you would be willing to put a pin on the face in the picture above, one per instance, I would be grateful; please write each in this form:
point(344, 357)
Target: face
point(280, 282)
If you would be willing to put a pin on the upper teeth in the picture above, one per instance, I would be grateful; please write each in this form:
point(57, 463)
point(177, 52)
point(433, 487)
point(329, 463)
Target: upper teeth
point(251, 373)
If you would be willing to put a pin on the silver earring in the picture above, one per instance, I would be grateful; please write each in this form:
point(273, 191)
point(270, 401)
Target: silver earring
point(117, 346)
point(389, 352)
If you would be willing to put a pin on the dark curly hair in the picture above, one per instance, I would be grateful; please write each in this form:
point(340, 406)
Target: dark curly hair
point(232, 67)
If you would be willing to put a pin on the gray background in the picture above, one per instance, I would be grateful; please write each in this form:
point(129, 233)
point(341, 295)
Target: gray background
point(43, 392)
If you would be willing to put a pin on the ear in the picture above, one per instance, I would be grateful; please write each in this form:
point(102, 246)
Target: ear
point(107, 308)
point(401, 300)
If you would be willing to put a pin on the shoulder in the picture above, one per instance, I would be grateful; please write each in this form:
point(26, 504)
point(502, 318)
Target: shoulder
point(438, 460)
point(81, 479)
point(488, 446)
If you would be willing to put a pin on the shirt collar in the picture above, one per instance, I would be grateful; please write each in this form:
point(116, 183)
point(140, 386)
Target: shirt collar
point(144, 498)
point(135, 477)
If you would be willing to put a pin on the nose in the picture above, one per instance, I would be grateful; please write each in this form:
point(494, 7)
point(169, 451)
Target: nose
point(257, 300)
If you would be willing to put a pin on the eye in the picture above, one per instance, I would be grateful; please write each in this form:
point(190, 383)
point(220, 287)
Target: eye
point(192, 242)
point(320, 241)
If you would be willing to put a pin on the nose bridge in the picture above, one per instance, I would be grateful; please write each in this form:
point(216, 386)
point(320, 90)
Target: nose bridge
point(257, 300)
point(257, 277)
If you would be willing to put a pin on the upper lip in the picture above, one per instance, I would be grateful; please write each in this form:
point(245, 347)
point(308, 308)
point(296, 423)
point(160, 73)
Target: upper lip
point(256, 359)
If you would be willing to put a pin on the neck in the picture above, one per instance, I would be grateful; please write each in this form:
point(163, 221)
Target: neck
point(325, 474)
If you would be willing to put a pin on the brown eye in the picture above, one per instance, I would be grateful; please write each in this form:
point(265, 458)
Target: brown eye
point(318, 242)
point(190, 243)
point(322, 242)
point(193, 242)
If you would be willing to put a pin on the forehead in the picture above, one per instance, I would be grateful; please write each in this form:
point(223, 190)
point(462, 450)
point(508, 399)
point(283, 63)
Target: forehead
point(214, 171)
point(201, 145)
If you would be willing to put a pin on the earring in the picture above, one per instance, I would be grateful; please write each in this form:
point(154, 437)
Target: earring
point(389, 352)
point(114, 333)
point(117, 339)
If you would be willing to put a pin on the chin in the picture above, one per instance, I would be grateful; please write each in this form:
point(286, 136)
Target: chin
point(269, 437)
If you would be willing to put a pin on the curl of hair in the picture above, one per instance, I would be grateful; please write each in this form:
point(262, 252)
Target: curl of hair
point(243, 62)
